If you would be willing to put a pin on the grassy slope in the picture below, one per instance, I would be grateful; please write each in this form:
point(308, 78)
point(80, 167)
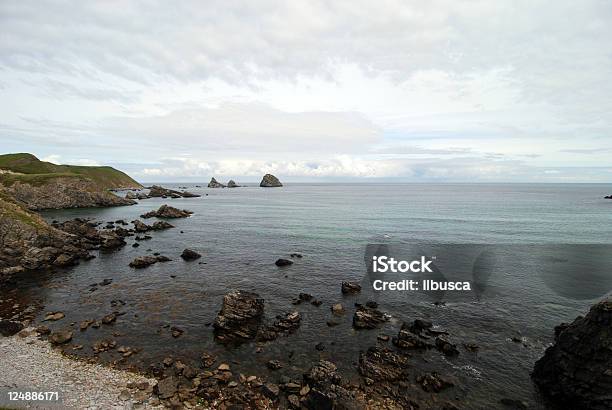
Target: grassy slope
point(38, 172)
point(9, 208)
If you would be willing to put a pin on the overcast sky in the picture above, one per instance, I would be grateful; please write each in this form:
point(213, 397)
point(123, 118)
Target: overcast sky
point(312, 90)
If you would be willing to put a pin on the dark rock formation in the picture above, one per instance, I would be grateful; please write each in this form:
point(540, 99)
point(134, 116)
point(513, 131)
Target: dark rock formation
point(232, 184)
point(166, 211)
point(157, 191)
point(9, 327)
point(215, 184)
point(190, 255)
point(270, 181)
point(576, 372)
point(350, 287)
point(161, 225)
point(144, 261)
point(239, 317)
point(608, 197)
point(382, 364)
point(283, 262)
point(409, 338)
point(368, 318)
point(140, 226)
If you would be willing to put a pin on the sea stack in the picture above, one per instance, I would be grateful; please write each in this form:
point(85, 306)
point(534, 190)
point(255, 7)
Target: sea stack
point(214, 184)
point(232, 184)
point(270, 181)
point(576, 372)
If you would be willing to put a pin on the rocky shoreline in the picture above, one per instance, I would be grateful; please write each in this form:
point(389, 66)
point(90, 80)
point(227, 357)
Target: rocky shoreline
point(391, 371)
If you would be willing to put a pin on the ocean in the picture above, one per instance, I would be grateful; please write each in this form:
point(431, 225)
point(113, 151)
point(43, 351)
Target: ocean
point(241, 232)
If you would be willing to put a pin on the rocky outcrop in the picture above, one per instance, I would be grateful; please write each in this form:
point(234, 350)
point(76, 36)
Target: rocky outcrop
point(215, 184)
point(157, 191)
point(27, 242)
point(166, 211)
point(232, 184)
point(349, 288)
point(64, 192)
point(576, 371)
point(240, 316)
point(270, 181)
point(144, 261)
point(368, 318)
point(608, 197)
point(190, 255)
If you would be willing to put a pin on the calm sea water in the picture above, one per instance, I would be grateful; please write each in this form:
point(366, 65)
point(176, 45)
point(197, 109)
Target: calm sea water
point(241, 232)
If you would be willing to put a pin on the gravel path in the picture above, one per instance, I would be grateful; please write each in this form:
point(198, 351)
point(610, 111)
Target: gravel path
point(29, 364)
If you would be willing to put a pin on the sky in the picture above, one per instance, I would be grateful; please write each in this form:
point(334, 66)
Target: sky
point(437, 91)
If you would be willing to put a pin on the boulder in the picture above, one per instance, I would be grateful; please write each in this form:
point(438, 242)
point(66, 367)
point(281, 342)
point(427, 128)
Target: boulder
point(368, 318)
point(215, 184)
point(140, 226)
point(283, 262)
point(10, 327)
point(382, 364)
point(109, 240)
point(408, 339)
point(166, 211)
point(232, 184)
point(350, 288)
point(60, 337)
point(190, 255)
point(270, 181)
point(144, 261)
point(161, 225)
point(239, 317)
point(576, 371)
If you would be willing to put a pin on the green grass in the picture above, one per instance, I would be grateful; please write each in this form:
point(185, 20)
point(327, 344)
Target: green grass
point(9, 208)
point(38, 172)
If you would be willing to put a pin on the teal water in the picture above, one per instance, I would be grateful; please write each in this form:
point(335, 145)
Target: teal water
point(242, 231)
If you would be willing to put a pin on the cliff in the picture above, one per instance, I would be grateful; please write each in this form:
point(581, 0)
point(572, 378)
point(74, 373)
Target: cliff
point(576, 372)
point(26, 239)
point(43, 185)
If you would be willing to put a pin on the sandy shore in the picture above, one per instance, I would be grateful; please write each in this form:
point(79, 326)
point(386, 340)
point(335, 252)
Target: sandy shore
point(29, 364)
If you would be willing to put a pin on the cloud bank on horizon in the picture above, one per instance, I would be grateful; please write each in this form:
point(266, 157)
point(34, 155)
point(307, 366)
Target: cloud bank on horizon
point(319, 90)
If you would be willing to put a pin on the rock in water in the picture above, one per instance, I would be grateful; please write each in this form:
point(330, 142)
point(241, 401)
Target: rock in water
point(576, 371)
point(215, 184)
point(166, 211)
point(190, 255)
point(608, 197)
point(239, 317)
point(368, 318)
point(270, 181)
point(232, 184)
point(283, 262)
point(350, 288)
point(60, 337)
point(144, 261)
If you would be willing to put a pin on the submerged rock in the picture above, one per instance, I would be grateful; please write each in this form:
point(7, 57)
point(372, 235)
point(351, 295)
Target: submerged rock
point(166, 211)
point(215, 184)
point(576, 372)
point(270, 181)
point(239, 317)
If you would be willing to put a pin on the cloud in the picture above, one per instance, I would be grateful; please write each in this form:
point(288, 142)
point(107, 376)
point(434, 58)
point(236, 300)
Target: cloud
point(249, 127)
